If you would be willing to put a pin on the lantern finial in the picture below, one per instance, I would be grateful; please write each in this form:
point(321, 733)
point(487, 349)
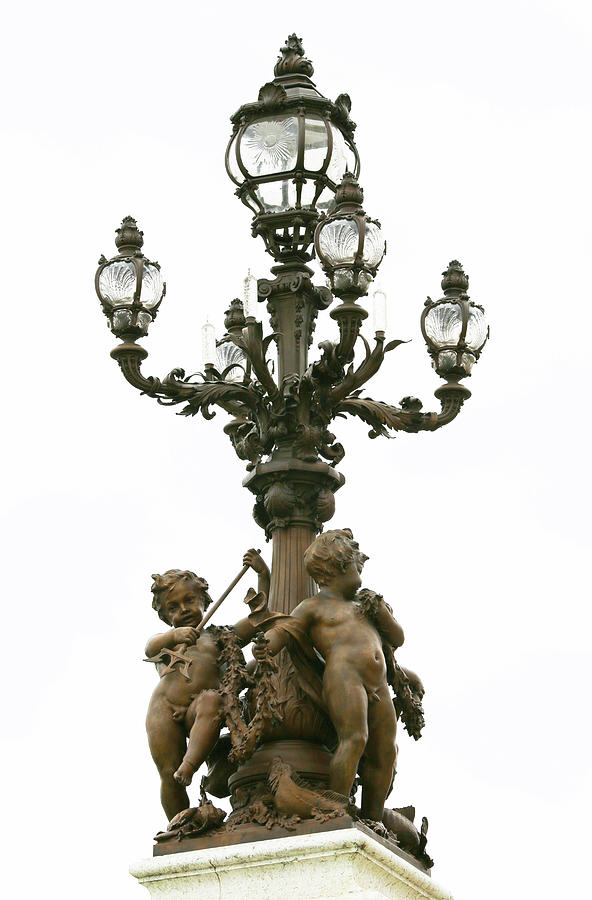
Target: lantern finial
point(455, 281)
point(234, 316)
point(349, 191)
point(129, 237)
point(292, 60)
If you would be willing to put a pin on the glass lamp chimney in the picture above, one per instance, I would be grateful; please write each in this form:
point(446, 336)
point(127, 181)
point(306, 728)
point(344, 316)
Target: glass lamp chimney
point(379, 310)
point(208, 344)
point(250, 296)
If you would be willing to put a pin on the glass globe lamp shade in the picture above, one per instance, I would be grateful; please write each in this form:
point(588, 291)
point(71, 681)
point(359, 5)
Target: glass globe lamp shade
point(454, 328)
point(129, 286)
point(289, 162)
point(349, 244)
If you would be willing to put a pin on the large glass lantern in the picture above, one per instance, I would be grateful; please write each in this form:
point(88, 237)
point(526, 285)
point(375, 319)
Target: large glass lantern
point(454, 327)
point(349, 244)
point(288, 152)
point(129, 286)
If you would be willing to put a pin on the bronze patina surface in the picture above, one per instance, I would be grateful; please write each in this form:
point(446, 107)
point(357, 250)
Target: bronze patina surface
point(292, 735)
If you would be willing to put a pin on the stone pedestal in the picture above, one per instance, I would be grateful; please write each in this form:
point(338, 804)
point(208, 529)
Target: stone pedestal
point(334, 865)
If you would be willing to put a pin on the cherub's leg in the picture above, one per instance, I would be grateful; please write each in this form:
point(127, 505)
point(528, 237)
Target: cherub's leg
point(347, 703)
point(380, 756)
point(205, 731)
point(166, 738)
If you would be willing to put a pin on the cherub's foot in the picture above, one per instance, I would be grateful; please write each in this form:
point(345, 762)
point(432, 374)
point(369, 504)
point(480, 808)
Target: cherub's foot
point(184, 774)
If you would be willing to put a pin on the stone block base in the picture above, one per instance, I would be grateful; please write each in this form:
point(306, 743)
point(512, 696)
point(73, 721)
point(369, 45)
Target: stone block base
point(334, 865)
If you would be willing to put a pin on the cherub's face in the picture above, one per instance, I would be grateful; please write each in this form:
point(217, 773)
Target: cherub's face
point(350, 581)
point(359, 557)
point(183, 605)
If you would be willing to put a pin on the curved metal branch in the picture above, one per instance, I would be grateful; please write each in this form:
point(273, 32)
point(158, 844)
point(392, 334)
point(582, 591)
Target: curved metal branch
point(254, 346)
point(408, 417)
point(236, 398)
point(354, 379)
point(451, 397)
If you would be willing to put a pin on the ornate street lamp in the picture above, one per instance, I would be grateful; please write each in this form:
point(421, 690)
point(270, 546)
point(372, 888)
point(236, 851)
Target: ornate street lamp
point(292, 157)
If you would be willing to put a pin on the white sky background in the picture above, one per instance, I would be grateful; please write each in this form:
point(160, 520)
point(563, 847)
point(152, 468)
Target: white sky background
point(475, 139)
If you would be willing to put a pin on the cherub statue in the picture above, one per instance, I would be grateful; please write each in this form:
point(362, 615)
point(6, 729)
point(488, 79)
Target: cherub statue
point(355, 690)
point(185, 712)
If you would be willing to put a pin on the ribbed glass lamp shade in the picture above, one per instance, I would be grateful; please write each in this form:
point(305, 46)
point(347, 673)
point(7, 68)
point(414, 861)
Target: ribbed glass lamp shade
point(443, 324)
point(374, 245)
point(450, 360)
point(117, 283)
point(228, 354)
point(339, 241)
point(118, 280)
point(151, 286)
point(476, 328)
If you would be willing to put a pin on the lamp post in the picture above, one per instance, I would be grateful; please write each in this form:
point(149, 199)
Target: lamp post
point(295, 165)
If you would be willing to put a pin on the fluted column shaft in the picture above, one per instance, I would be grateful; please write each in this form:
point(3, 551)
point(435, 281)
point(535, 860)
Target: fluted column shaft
point(290, 582)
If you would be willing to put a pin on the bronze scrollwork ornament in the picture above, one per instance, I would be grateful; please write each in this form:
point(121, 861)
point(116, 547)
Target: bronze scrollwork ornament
point(291, 735)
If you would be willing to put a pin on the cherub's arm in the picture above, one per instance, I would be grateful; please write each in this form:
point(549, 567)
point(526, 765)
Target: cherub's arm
point(277, 637)
point(170, 639)
point(256, 562)
point(387, 625)
point(373, 606)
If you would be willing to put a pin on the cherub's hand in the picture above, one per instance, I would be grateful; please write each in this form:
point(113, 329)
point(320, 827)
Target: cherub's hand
point(186, 635)
point(259, 647)
point(254, 560)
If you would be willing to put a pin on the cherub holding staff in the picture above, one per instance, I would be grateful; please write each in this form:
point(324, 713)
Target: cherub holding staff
point(185, 712)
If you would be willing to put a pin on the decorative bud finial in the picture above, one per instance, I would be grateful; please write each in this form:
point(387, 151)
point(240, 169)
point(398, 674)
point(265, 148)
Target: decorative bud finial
point(234, 316)
point(292, 59)
point(129, 237)
point(349, 191)
point(454, 281)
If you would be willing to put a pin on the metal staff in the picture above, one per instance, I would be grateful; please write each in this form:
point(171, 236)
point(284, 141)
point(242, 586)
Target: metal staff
point(218, 602)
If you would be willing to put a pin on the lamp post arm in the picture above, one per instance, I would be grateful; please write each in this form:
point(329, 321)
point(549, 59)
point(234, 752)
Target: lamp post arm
point(237, 399)
point(408, 417)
